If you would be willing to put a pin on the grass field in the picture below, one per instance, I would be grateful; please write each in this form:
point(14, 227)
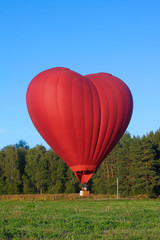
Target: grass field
point(79, 219)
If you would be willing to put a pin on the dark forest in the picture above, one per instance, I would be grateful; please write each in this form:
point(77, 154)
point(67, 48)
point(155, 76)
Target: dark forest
point(135, 161)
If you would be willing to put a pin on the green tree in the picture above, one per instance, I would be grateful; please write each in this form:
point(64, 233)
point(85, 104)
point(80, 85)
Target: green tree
point(22, 148)
point(22, 144)
point(148, 170)
point(136, 152)
point(72, 184)
point(155, 139)
point(10, 168)
point(2, 181)
point(52, 159)
point(58, 174)
point(98, 180)
point(112, 169)
point(60, 177)
point(104, 180)
point(125, 165)
point(36, 170)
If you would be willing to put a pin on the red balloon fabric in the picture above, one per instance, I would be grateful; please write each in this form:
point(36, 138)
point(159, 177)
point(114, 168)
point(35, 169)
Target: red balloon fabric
point(81, 118)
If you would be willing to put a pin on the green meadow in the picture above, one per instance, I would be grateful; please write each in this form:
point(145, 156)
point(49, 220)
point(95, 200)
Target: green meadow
point(80, 219)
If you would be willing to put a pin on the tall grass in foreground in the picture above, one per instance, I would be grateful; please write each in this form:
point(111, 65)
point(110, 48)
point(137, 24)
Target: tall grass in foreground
point(80, 219)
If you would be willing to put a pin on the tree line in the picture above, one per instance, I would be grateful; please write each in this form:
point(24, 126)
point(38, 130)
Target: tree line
point(135, 161)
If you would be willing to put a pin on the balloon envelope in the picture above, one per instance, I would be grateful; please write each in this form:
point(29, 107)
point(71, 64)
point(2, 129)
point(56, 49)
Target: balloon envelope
point(81, 117)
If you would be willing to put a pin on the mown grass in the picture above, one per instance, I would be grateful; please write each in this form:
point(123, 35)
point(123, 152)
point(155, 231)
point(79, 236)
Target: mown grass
point(80, 219)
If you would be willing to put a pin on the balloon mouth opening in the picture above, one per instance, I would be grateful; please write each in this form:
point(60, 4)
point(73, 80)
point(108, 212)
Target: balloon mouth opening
point(83, 176)
point(83, 172)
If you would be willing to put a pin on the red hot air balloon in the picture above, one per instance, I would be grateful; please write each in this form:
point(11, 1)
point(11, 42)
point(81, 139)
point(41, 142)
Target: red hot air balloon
point(82, 118)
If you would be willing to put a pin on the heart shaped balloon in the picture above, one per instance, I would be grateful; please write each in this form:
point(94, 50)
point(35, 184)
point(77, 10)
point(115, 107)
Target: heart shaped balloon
point(82, 118)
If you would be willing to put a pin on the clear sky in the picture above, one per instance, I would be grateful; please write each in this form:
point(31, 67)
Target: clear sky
point(120, 37)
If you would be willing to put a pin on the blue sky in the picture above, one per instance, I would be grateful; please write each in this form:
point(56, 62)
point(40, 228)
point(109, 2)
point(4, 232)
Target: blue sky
point(87, 36)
